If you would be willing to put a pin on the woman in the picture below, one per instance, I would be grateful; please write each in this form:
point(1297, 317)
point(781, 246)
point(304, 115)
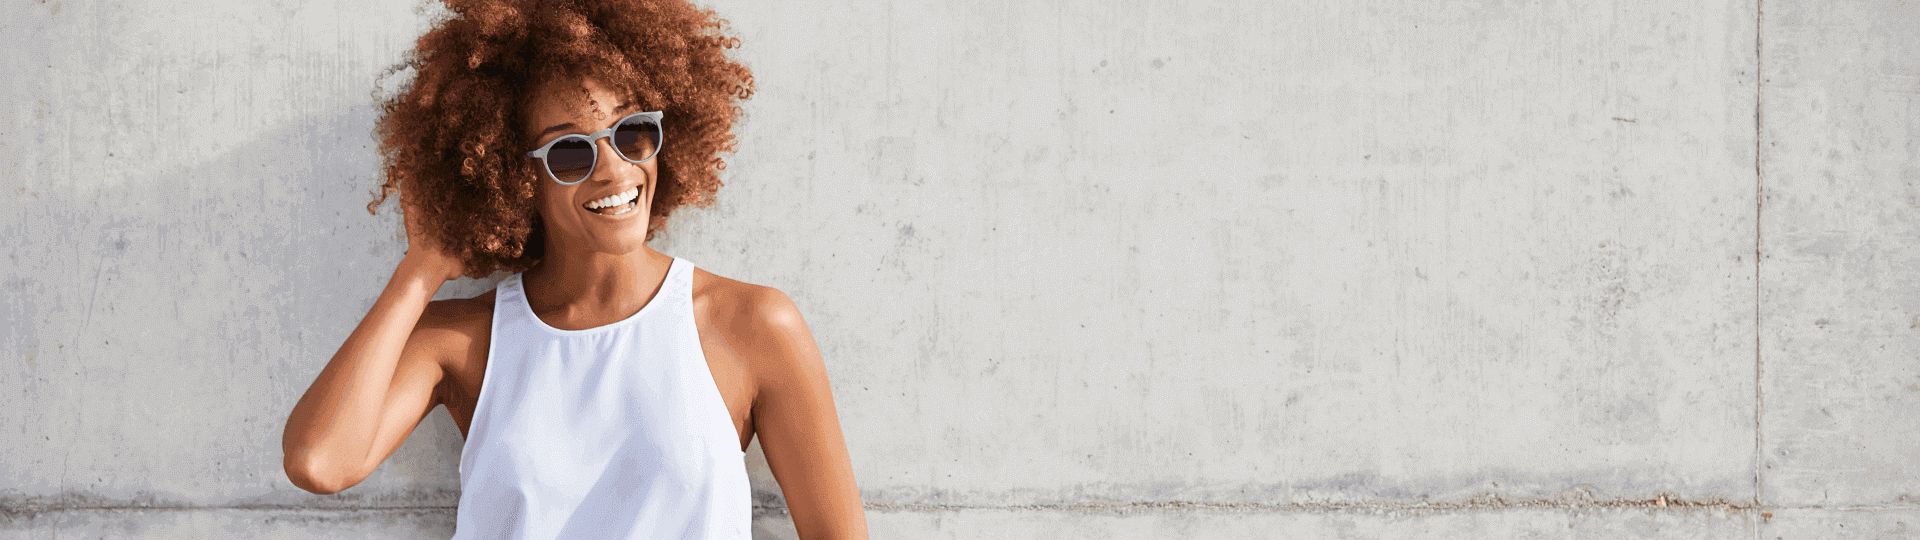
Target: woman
point(605, 390)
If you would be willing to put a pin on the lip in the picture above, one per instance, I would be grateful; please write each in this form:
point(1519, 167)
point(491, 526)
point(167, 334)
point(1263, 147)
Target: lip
point(608, 193)
point(582, 205)
point(629, 214)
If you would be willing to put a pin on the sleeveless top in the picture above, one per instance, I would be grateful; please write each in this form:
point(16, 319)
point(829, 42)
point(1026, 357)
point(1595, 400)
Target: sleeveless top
point(610, 432)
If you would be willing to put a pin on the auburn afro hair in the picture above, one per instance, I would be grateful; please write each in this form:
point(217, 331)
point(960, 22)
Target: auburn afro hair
point(453, 139)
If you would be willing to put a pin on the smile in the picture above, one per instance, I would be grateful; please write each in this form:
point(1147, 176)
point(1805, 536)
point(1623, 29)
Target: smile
point(615, 204)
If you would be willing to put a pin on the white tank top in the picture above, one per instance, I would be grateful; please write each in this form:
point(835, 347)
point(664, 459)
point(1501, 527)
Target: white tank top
point(609, 432)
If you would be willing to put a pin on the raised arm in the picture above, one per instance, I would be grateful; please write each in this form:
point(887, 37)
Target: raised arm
point(378, 385)
point(795, 419)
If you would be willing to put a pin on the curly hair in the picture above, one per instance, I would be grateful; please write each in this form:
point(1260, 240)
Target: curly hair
point(452, 139)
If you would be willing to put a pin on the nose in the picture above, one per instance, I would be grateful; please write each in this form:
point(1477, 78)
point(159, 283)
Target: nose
point(606, 159)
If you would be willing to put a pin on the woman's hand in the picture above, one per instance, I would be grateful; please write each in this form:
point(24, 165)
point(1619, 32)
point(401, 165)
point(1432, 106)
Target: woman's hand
point(423, 250)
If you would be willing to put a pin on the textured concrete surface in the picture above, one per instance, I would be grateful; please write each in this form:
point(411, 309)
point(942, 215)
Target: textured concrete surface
point(1503, 524)
point(189, 193)
point(278, 523)
point(1134, 269)
point(1861, 524)
point(1167, 254)
point(1840, 309)
point(1594, 524)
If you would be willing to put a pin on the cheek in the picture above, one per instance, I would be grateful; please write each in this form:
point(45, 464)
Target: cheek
point(549, 201)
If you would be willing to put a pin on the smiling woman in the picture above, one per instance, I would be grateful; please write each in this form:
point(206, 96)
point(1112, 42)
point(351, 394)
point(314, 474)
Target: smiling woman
point(606, 390)
point(450, 139)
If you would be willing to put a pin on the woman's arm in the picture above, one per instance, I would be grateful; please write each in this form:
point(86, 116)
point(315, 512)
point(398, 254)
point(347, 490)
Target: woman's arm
point(378, 385)
point(794, 417)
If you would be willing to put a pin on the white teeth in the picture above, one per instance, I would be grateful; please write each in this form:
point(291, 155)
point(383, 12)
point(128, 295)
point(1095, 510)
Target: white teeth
point(614, 199)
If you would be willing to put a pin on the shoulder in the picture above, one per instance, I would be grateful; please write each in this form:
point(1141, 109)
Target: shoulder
point(743, 309)
point(457, 314)
point(452, 327)
point(762, 331)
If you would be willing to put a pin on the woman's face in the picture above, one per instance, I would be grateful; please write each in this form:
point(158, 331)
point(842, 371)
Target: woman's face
point(578, 217)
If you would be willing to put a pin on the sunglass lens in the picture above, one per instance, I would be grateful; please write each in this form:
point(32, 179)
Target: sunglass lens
point(638, 138)
point(570, 160)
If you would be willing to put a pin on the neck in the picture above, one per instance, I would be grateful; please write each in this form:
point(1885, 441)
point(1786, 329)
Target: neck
point(578, 288)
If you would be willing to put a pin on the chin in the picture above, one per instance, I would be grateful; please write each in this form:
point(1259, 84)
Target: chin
point(619, 230)
point(630, 237)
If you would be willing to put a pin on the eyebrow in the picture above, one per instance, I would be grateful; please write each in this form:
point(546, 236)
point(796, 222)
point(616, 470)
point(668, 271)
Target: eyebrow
point(569, 125)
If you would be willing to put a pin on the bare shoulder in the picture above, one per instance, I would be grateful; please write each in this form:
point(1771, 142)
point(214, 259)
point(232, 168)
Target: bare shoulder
point(761, 343)
point(740, 306)
point(759, 325)
point(459, 315)
point(452, 328)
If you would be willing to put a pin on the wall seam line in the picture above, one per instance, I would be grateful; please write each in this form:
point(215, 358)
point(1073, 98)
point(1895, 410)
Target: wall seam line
point(1759, 204)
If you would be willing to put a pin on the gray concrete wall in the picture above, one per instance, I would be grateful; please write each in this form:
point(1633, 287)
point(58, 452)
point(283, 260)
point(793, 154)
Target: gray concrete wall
point(1128, 269)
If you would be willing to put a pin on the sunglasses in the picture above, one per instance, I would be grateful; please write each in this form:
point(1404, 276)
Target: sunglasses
point(571, 159)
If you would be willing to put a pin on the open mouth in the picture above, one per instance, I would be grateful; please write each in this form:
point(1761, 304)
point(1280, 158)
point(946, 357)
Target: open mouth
point(615, 204)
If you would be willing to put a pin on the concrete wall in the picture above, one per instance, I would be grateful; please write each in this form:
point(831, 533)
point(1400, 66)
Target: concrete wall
point(1128, 269)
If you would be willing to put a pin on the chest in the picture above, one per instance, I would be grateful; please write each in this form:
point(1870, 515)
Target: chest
point(465, 377)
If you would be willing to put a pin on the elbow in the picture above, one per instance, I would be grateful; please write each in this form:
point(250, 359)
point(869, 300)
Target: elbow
point(315, 476)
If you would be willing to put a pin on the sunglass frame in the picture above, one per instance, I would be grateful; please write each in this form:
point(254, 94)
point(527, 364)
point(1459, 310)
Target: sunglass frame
point(593, 141)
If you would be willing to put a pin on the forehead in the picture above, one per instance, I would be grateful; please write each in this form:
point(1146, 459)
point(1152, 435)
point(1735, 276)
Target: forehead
point(580, 102)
